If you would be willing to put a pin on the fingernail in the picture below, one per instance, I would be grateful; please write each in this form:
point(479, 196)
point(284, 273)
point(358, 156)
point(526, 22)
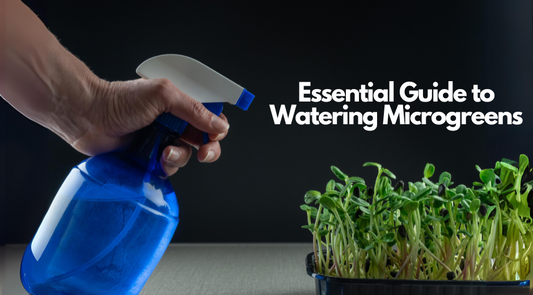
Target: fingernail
point(219, 124)
point(218, 136)
point(209, 157)
point(173, 156)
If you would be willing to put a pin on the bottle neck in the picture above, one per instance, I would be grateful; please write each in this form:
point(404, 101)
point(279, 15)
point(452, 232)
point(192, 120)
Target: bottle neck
point(148, 145)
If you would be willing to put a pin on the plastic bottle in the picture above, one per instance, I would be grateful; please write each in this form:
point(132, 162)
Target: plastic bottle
point(115, 214)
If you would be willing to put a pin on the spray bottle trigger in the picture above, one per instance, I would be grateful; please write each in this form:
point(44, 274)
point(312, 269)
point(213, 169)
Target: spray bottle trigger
point(215, 108)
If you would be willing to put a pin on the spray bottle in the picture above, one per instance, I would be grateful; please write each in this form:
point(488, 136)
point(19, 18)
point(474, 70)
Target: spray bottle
point(115, 214)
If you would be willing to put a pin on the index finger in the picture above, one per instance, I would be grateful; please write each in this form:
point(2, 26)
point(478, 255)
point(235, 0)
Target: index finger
point(188, 109)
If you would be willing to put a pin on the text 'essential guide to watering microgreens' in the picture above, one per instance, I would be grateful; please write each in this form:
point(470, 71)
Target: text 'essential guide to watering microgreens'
point(394, 112)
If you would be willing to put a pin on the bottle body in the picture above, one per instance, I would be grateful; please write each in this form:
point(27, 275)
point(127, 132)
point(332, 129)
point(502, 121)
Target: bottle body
point(105, 231)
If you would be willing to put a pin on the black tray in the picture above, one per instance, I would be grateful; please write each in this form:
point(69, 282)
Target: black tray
point(338, 286)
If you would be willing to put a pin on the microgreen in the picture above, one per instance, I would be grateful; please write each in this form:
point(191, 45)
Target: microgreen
point(429, 229)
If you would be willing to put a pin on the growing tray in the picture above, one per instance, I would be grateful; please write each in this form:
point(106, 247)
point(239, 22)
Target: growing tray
point(338, 286)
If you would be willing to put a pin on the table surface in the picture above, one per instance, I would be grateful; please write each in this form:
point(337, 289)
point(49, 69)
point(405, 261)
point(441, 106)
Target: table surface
point(254, 269)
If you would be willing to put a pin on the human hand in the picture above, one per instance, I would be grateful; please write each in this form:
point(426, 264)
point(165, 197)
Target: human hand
point(117, 109)
point(52, 87)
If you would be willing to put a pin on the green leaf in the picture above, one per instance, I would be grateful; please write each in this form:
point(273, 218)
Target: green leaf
point(411, 206)
point(339, 173)
point(388, 238)
point(422, 193)
point(478, 168)
point(360, 239)
point(343, 190)
point(439, 199)
point(305, 207)
point(436, 204)
point(461, 189)
point(398, 205)
point(330, 193)
point(365, 210)
point(365, 217)
point(408, 194)
point(443, 176)
point(429, 183)
point(323, 232)
point(325, 215)
point(314, 212)
point(420, 185)
point(510, 162)
point(413, 188)
point(465, 204)
point(524, 162)
point(465, 232)
point(360, 202)
point(381, 210)
point(488, 176)
point(312, 196)
point(310, 227)
point(384, 186)
point(383, 199)
point(328, 203)
point(372, 164)
point(355, 179)
point(329, 223)
point(509, 166)
point(474, 206)
point(390, 174)
point(369, 247)
point(470, 194)
point(458, 197)
point(403, 220)
point(523, 208)
point(429, 170)
point(331, 185)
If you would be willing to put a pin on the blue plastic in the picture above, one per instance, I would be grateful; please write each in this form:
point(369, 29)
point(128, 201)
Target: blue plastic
point(108, 226)
point(172, 122)
point(245, 100)
point(215, 108)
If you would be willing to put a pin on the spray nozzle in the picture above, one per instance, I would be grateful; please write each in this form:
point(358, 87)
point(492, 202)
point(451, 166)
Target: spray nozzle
point(196, 80)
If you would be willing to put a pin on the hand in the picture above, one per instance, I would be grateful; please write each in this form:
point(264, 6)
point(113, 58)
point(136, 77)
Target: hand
point(116, 110)
point(52, 87)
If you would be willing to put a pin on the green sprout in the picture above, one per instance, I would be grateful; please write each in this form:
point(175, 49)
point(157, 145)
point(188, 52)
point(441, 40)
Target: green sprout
point(424, 230)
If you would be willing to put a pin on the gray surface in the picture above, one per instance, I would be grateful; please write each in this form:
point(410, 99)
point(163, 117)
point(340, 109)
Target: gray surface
point(262, 269)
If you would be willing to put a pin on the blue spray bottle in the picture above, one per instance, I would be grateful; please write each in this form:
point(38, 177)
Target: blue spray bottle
point(115, 214)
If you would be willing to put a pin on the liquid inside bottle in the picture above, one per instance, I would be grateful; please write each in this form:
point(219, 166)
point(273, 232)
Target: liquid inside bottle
point(107, 228)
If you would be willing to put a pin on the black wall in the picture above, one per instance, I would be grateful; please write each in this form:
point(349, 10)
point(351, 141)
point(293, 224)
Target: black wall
point(253, 193)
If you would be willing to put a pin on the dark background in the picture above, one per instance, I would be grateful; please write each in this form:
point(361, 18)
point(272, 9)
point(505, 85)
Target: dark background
point(253, 193)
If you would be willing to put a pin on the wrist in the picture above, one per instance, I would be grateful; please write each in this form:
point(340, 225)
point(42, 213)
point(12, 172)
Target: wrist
point(73, 88)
